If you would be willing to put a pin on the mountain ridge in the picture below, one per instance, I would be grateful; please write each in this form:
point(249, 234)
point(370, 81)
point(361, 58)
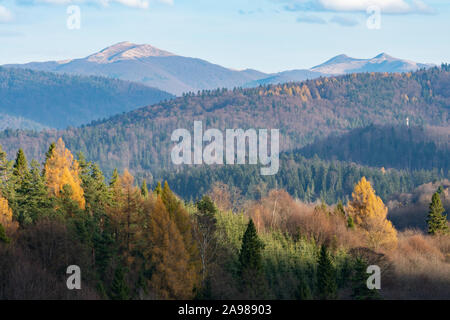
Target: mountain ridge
point(178, 74)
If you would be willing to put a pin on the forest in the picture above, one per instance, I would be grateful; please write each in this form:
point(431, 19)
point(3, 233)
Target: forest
point(136, 242)
point(60, 100)
point(304, 112)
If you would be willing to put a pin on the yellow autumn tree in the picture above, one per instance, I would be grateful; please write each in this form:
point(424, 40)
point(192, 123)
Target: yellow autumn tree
point(62, 169)
point(6, 216)
point(370, 214)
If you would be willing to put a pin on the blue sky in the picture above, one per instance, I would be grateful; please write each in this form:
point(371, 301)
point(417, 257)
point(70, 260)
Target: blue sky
point(267, 35)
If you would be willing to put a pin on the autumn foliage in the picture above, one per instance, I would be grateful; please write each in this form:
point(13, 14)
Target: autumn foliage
point(62, 169)
point(369, 213)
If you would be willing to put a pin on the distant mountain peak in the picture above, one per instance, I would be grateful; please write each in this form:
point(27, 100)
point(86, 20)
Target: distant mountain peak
point(127, 51)
point(384, 56)
point(343, 64)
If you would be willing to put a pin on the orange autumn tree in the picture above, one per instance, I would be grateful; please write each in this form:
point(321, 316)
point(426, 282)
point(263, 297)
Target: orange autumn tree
point(62, 169)
point(6, 216)
point(370, 214)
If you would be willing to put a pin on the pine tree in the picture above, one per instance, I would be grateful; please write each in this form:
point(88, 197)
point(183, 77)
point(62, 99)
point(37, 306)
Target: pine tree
point(326, 276)
point(119, 288)
point(250, 264)
point(370, 214)
point(62, 169)
point(20, 167)
point(32, 199)
point(436, 220)
point(144, 189)
point(250, 257)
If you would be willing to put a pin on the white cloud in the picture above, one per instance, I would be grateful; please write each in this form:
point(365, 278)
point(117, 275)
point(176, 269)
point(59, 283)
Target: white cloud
point(386, 6)
point(139, 4)
point(5, 15)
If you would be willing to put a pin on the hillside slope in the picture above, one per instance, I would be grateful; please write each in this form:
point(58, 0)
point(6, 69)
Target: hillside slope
point(152, 67)
point(400, 147)
point(140, 140)
point(57, 101)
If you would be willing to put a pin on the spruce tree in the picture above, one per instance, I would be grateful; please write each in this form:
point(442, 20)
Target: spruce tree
point(326, 276)
point(32, 200)
point(20, 168)
point(437, 221)
point(250, 257)
point(250, 263)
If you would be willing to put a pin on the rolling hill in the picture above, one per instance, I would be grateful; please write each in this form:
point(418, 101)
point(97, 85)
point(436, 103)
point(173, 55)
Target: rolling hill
point(35, 99)
point(304, 112)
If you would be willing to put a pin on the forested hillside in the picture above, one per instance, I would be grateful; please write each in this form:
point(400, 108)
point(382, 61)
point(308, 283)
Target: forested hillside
point(309, 180)
point(398, 147)
point(140, 140)
point(59, 100)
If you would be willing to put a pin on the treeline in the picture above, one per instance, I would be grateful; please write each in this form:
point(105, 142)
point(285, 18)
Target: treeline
point(140, 140)
point(135, 243)
point(308, 180)
point(60, 100)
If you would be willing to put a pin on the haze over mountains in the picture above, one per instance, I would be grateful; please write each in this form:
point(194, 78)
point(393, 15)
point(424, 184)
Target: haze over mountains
point(36, 99)
point(303, 111)
point(177, 74)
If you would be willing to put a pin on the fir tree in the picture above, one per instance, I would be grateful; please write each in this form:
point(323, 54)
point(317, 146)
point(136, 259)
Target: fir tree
point(32, 199)
point(437, 221)
point(250, 264)
point(250, 257)
point(326, 276)
point(20, 168)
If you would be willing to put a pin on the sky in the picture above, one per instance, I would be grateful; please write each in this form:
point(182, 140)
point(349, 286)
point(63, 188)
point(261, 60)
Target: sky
point(266, 35)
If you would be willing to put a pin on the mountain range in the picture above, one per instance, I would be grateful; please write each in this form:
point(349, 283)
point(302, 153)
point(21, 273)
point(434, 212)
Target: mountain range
point(178, 74)
point(303, 111)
